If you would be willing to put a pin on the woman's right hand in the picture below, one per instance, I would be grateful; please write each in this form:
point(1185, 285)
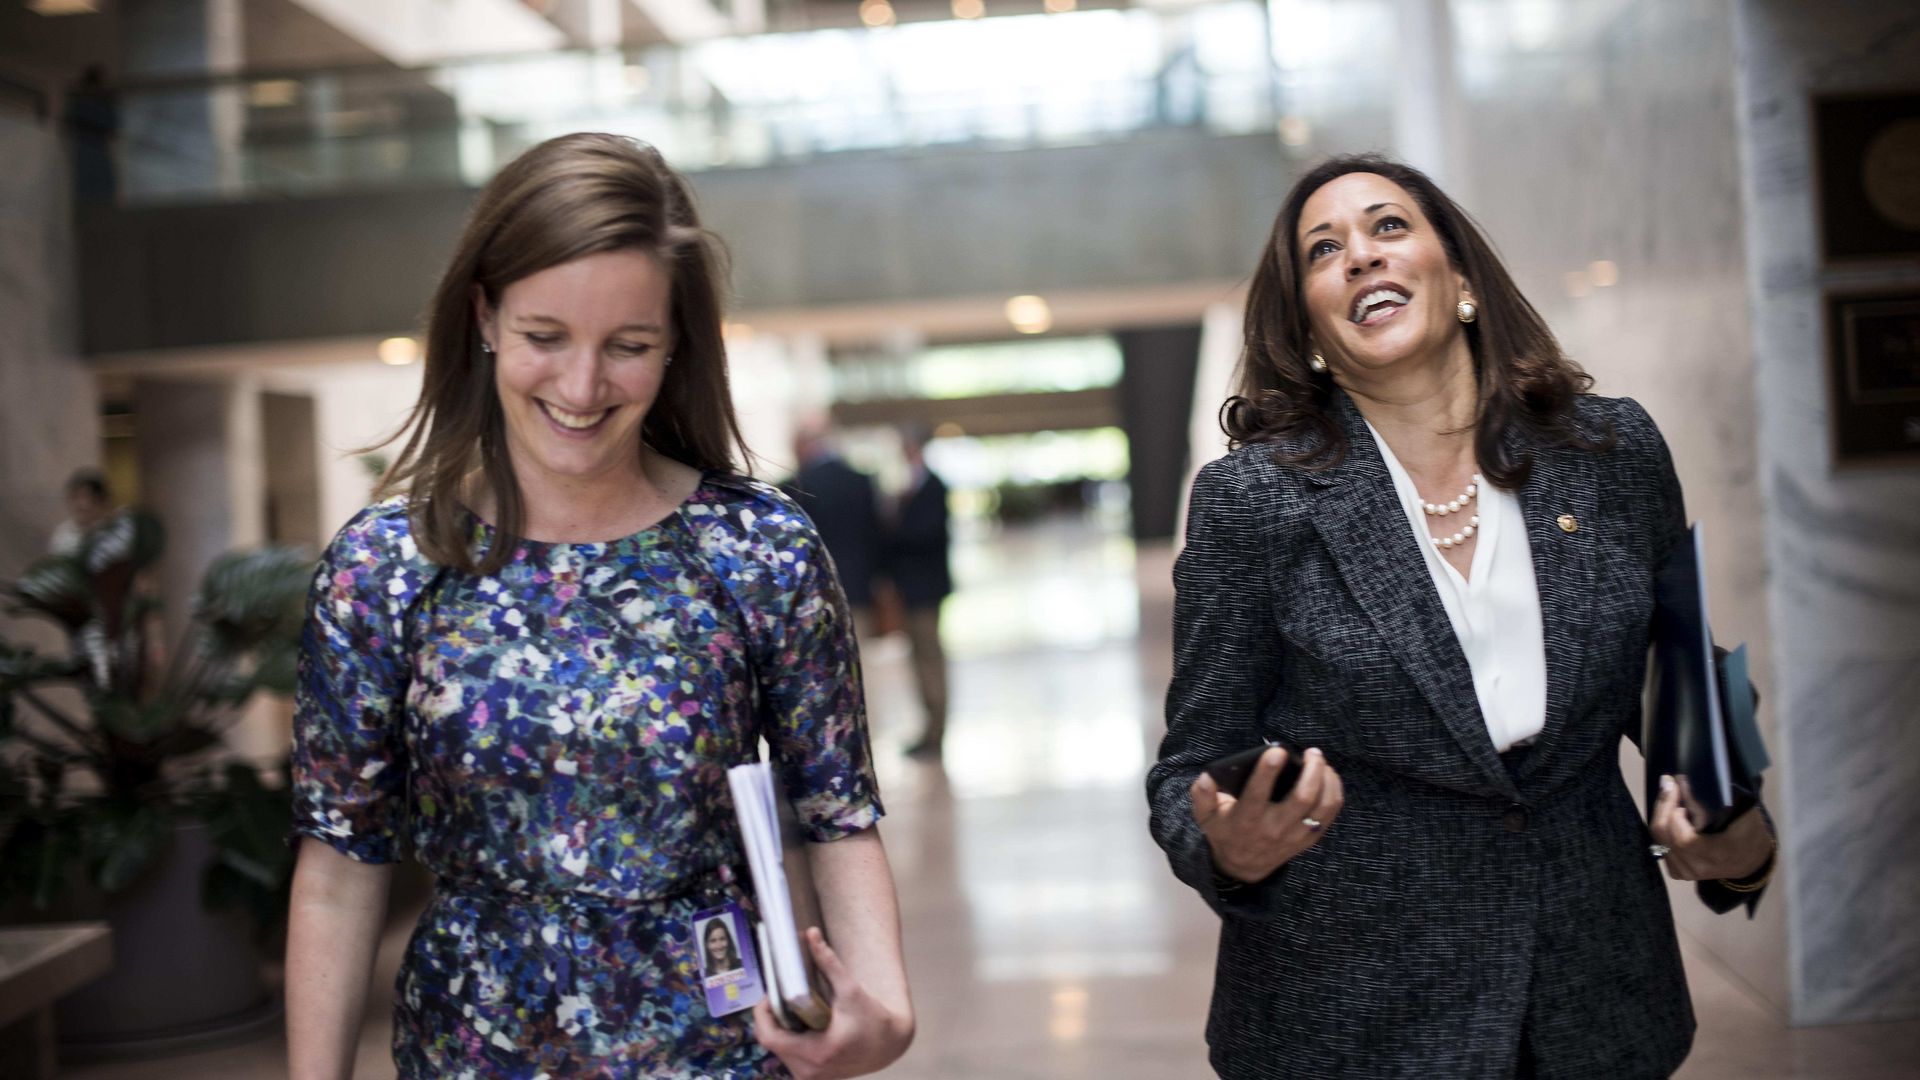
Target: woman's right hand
point(1252, 836)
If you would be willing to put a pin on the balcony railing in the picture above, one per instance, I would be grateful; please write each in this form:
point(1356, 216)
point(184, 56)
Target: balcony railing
point(1015, 82)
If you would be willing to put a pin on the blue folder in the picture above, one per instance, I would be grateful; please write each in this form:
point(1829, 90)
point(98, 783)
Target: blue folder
point(1699, 725)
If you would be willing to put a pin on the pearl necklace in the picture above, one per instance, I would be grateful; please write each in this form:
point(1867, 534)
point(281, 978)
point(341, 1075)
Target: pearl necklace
point(1454, 506)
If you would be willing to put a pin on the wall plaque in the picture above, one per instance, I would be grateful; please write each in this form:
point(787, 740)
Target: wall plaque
point(1867, 165)
point(1873, 347)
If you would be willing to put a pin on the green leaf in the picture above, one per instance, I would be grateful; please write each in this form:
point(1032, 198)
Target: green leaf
point(57, 587)
point(131, 538)
point(15, 799)
point(187, 740)
point(53, 863)
point(253, 599)
point(276, 670)
point(120, 715)
point(249, 823)
point(26, 668)
point(124, 842)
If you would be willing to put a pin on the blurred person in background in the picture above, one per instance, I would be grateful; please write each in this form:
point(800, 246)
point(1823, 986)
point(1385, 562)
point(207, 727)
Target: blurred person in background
point(844, 505)
point(1428, 564)
point(917, 539)
point(92, 117)
point(88, 508)
point(532, 668)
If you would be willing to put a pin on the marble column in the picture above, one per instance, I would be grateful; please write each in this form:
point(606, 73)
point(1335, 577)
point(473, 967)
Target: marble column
point(203, 473)
point(49, 419)
point(1842, 541)
point(1428, 132)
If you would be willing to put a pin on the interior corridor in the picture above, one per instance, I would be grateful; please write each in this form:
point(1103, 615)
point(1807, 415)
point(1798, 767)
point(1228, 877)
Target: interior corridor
point(1045, 936)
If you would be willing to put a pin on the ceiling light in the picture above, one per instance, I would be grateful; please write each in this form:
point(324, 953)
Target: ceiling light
point(63, 7)
point(1029, 314)
point(969, 9)
point(876, 13)
point(1294, 130)
point(1578, 284)
point(1603, 273)
point(1060, 7)
point(272, 93)
point(398, 351)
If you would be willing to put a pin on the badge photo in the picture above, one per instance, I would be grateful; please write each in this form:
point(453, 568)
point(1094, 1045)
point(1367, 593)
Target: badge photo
point(729, 972)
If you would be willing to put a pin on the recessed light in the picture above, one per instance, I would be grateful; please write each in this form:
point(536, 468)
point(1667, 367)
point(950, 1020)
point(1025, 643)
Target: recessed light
point(1029, 314)
point(63, 7)
point(398, 351)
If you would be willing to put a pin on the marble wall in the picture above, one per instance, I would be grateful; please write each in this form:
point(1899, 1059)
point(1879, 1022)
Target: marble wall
point(1601, 155)
point(1842, 542)
point(48, 424)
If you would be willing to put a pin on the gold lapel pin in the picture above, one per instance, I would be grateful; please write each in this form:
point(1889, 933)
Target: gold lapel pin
point(1568, 523)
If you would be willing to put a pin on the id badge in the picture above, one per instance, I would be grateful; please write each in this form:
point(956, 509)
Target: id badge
point(729, 970)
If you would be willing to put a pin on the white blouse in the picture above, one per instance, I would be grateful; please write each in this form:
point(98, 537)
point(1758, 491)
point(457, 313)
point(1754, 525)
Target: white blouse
point(1495, 612)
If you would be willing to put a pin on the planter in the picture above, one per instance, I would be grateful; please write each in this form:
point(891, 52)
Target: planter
point(183, 977)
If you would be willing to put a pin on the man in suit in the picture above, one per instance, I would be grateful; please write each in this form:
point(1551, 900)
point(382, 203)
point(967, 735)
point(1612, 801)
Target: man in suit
point(916, 562)
point(841, 501)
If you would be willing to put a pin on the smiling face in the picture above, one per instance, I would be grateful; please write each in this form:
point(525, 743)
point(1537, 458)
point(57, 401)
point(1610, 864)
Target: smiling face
point(580, 352)
point(1380, 292)
point(719, 944)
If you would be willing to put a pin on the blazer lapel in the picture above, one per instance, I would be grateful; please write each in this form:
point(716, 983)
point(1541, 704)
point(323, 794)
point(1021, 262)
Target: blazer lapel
point(1358, 514)
point(1560, 502)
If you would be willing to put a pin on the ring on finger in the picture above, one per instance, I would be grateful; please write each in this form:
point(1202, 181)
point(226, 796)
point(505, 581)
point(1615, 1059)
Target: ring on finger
point(1312, 824)
point(1658, 851)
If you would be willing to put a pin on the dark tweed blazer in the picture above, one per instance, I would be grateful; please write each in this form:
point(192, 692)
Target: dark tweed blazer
point(1454, 904)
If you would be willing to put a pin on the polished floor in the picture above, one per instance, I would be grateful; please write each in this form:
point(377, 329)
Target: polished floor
point(1045, 937)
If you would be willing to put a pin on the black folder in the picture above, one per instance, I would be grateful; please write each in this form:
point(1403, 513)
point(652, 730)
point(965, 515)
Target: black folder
point(1699, 725)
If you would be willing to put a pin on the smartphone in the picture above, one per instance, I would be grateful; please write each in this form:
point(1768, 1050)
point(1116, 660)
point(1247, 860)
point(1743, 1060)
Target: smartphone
point(1231, 772)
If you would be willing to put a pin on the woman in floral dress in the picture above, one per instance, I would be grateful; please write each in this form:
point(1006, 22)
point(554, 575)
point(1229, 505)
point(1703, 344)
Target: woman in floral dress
point(532, 667)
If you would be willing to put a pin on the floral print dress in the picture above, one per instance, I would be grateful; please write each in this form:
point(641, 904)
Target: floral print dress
point(552, 742)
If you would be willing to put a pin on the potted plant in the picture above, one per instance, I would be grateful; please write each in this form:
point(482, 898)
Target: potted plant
point(116, 800)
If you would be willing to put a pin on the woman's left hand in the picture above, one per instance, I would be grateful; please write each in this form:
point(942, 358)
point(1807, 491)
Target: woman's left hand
point(864, 1036)
point(1738, 851)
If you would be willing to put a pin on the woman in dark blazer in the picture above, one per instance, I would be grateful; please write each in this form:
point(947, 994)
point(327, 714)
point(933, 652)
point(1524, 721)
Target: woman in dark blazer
point(1459, 885)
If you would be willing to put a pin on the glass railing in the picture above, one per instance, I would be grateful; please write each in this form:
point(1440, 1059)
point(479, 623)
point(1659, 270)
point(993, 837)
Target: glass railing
point(1014, 82)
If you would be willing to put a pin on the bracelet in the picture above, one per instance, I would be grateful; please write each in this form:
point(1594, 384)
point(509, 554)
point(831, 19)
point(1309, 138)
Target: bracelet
point(1759, 880)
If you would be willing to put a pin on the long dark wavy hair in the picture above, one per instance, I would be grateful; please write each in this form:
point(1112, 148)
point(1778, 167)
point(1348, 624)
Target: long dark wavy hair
point(1525, 381)
point(566, 198)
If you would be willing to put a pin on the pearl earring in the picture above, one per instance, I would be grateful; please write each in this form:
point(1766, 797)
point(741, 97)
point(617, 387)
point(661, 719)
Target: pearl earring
point(1465, 311)
point(486, 346)
point(1318, 363)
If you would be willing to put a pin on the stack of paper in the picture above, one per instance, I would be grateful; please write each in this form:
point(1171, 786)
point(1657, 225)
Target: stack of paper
point(783, 885)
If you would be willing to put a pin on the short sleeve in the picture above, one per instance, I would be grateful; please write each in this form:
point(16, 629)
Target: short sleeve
point(807, 665)
point(349, 761)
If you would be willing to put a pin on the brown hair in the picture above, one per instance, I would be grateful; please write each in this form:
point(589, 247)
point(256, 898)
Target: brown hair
point(1525, 381)
point(566, 198)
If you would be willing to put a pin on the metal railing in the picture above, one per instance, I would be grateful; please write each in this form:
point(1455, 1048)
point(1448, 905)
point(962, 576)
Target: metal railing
point(1017, 82)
